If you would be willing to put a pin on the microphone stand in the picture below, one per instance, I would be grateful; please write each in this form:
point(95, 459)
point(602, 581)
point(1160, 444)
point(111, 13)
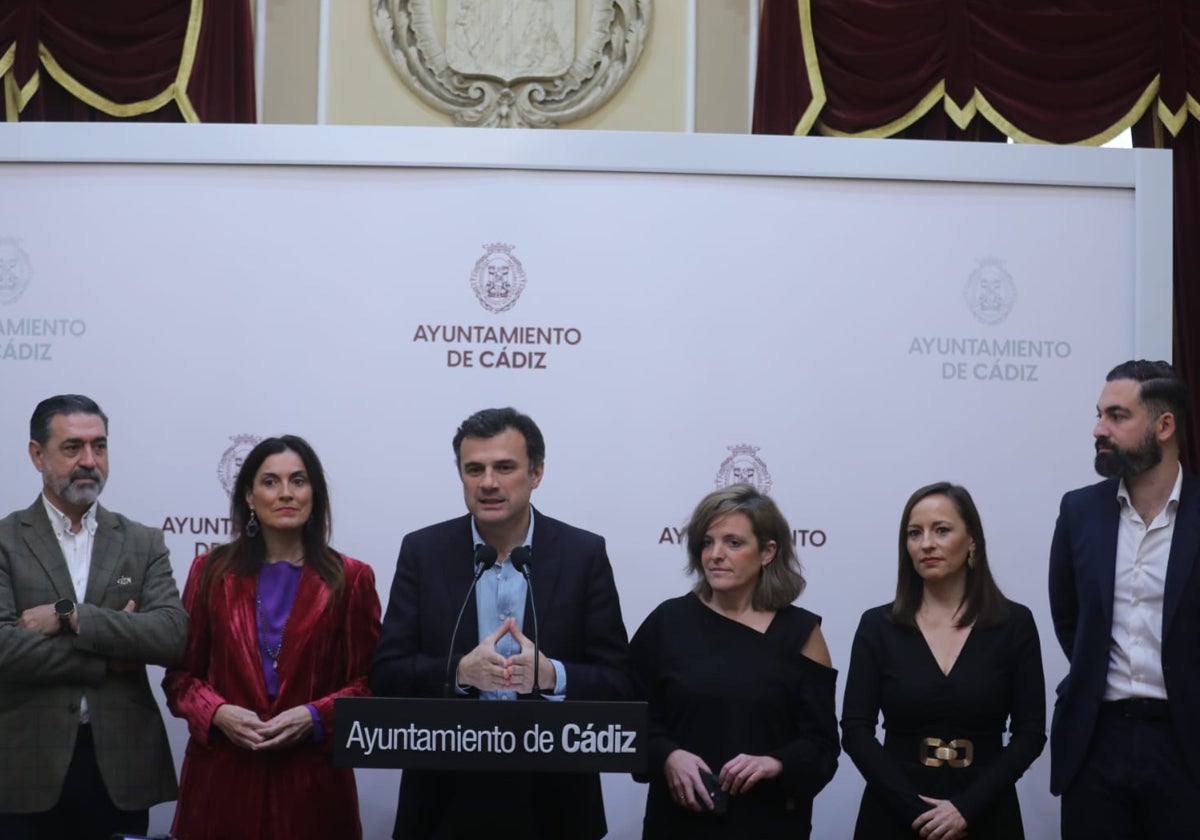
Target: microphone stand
point(522, 560)
point(485, 558)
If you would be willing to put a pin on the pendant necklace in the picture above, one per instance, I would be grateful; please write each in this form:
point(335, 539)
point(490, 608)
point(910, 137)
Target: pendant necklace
point(272, 654)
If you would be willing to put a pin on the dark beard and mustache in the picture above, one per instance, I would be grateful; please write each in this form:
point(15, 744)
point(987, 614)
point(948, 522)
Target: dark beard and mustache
point(1127, 463)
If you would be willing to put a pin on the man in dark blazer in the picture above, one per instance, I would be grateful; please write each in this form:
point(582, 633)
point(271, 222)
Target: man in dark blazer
point(87, 598)
point(582, 639)
point(1125, 597)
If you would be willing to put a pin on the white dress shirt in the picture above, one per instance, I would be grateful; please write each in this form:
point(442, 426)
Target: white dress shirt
point(77, 551)
point(1135, 655)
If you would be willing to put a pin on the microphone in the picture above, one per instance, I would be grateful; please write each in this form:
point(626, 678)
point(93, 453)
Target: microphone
point(522, 560)
point(485, 558)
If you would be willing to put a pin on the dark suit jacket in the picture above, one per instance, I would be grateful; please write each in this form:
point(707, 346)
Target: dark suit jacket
point(1082, 574)
point(580, 625)
point(42, 677)
point(293, 793)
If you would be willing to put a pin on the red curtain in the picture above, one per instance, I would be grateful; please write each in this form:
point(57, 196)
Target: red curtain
point(1074, 71)
point(1186, 158)
point(155, 60)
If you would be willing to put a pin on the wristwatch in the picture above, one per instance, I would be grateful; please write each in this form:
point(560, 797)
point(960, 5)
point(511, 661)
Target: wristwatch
point(64, 609)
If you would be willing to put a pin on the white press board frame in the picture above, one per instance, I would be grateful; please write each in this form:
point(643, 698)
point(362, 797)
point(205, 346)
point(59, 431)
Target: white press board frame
point(797, 307)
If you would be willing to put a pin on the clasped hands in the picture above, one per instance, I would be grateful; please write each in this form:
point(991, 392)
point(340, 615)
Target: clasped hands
point(247, 730)
point(487, 670)
point(941, 822)
point(738, 775)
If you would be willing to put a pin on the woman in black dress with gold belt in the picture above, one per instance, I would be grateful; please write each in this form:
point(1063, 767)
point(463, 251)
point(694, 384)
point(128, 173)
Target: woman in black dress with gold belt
point(951, 663)
point(743, 732)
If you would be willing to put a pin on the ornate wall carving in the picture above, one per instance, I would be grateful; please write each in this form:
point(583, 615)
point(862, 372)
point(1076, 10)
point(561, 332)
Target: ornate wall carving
point(513, 63)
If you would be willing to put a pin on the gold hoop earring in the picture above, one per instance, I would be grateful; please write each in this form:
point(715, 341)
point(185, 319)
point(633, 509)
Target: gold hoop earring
point(971, 557)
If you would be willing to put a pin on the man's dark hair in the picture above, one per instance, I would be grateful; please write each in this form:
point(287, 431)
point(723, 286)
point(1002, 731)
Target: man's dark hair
point(39, 423)
point(492, 421)
point(1161, 388)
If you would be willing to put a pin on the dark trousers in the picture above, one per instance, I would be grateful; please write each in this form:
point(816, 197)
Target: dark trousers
point(1133, 785)
point(84, 810)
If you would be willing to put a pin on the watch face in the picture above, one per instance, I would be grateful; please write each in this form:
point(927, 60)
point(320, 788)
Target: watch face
point(64, 607)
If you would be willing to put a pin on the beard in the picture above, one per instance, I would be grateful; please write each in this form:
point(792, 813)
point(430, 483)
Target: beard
point(80, 495)
point(1127, 463)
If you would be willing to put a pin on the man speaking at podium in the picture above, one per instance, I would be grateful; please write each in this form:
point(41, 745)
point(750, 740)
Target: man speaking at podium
point(582, 648)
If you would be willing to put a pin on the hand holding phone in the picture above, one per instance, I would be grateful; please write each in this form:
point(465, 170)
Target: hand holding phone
point(718, 795)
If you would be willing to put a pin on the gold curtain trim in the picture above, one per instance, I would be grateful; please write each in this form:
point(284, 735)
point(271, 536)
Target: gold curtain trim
point(10, 104)
point(1131, 116)
point(187, 60)
point(816, 84)
point(15, 98)
point(979, 104)
point(961, 117)
point(1173, 121)
point(176, 91)
point(6, 63)
point(100, 103)
point(900, 123)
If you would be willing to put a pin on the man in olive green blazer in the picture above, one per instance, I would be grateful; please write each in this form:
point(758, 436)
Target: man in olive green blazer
point(87, 599)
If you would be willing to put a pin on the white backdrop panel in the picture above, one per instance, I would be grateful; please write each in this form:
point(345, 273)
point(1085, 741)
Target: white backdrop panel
point(824, 321)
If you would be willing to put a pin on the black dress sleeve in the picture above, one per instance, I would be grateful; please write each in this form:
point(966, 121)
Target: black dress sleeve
point(1027, 718)
point(644, 650)
point(860, 714)
point(810, 760)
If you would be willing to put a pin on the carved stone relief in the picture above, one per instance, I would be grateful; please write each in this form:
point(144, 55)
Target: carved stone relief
point(513, 63)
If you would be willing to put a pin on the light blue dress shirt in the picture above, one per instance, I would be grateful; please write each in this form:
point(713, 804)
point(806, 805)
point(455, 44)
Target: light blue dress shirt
point(501, 594)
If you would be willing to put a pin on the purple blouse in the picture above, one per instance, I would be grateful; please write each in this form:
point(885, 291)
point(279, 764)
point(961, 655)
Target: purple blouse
point(277, 585)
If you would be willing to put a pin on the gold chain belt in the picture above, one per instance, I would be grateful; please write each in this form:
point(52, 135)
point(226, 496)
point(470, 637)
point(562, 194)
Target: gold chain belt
point(934, 752)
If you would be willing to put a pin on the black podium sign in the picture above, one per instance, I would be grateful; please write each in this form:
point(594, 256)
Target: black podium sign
point(461, 734)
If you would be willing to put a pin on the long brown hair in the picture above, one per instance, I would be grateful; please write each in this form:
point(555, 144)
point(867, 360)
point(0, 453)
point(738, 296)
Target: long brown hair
point(245, 555)
point(982, 602)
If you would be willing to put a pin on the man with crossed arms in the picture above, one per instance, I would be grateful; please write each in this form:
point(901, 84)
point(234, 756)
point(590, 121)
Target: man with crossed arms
point(87, 598)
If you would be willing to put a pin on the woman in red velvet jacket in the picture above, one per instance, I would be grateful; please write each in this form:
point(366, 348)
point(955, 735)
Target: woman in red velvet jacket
point(281, 624)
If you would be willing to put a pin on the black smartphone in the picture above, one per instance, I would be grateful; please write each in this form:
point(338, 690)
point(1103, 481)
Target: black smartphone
point(719, 797)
